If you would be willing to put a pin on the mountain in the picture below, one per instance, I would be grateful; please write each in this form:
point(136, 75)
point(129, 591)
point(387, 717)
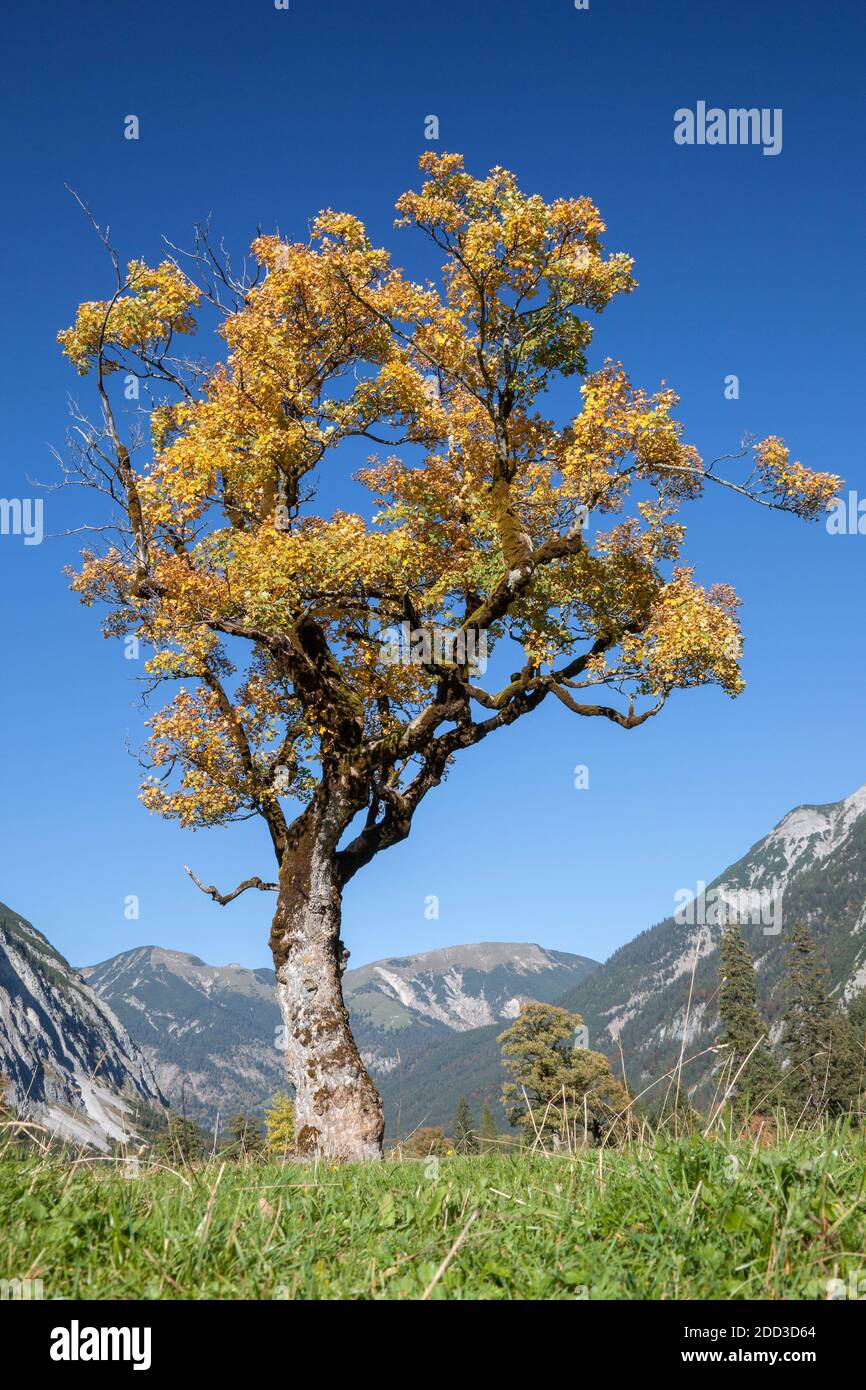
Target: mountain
point(211, 1032)
point(426, 1091)
point(66, 1060)
point(810, 867)
point(401, 1006)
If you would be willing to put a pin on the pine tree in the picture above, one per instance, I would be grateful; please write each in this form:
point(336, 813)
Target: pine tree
point(807, 1026)
point(180, 1142)
point(755, 1088)
point(857, 1033)
point(488, 1133)
point(244, 1136)
point(463, 1127)
point(280, 1126)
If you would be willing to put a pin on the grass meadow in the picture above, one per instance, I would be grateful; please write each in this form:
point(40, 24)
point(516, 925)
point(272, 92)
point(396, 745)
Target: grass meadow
point(659, 1218)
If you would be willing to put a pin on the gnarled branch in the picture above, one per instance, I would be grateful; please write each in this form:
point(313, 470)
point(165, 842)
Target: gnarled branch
point(224, 898)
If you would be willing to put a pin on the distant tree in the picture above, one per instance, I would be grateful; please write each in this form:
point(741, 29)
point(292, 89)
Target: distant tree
point(844, 1090)
point(488, 1133)
point(806, 1028)
point(280, 1126)
point(244, 1136)
point(463, 1128)
point(180, 1142)
point(557, 1088)
point(427, 1142)
point(755, 1088)
point(857, 1025)
point(857, 1012)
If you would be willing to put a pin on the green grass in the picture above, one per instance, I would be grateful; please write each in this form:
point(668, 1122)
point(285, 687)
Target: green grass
point(694, 1219)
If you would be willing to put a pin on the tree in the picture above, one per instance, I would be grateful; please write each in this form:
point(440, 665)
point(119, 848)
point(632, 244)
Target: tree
point(488, 1132)
point(853, 1024)
point(280, 1126)
point(749, 1065)
point(557, 1089)
point(806, 1026)
point(428, 1142)
point(180, 1142)
point(326, 669)
point(244, 1136)
point(463, 1128)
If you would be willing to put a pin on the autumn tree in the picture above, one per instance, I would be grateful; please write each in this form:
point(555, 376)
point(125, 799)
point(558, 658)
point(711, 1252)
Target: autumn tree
point(557, 1088)
point(557, 543)
point(280, 1126)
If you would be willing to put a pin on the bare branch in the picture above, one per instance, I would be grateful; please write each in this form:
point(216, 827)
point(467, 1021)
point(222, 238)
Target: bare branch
point(224, 898)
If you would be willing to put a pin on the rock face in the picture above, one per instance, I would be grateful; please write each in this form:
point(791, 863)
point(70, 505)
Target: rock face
point(811, 867)
point(212, 1033)
point(68, 1062)
point(401, 1006)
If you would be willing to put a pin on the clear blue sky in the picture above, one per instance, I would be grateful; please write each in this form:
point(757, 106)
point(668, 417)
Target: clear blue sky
point(747, 264)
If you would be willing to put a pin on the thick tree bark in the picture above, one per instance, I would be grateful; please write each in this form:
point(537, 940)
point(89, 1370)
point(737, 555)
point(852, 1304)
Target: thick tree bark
point(338, 1113)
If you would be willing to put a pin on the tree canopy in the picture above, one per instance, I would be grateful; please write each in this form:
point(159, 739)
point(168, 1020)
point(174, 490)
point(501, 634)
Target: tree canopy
point(266, 614)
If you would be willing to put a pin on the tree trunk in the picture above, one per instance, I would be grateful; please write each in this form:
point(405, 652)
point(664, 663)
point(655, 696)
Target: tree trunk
point(338, 1113)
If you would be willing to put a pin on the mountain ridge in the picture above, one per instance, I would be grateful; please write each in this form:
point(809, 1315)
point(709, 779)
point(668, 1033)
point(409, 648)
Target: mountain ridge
point(211, 1032)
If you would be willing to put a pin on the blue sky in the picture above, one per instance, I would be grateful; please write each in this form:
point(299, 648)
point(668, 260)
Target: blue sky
point(747, 264)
